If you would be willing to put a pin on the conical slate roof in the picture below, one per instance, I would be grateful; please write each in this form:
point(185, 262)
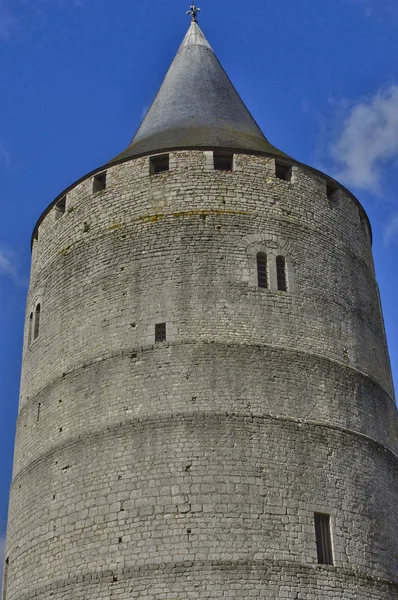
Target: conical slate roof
point(197, 107)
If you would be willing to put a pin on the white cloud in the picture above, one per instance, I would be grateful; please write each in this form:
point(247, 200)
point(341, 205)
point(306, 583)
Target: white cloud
point(391, 231)
point(368, 140)
point(378, 8)
point(10, 267)
point(6, 264)
point(2, 555)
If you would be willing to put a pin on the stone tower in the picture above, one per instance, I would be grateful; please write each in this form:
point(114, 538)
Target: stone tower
point(206, 406)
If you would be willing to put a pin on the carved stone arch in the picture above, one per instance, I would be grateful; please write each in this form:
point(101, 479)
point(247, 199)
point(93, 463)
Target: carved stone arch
point(273, 246)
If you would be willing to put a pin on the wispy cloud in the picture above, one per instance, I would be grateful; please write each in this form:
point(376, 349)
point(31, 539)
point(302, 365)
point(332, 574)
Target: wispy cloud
point(16, 15)
point(379, 8)
point(10, 266)
point(367, 140)
point(391, 231)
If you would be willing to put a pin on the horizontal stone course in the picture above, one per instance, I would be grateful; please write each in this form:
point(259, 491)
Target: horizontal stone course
point(193, 467)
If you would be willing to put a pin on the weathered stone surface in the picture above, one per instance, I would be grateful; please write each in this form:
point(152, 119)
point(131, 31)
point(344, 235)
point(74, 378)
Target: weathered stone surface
point(192, 468)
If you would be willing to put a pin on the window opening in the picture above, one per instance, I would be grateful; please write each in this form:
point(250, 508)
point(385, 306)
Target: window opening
point(283, 171)
point(37, 322)
point(5, 578)
point(332, 193)
point(99, 182)
point(262, 270)
point(323, 539)
point(159, 164)
point(60, 208)
point(30, 331)
point(281, 273)
point(223, 161)
point(160, 332)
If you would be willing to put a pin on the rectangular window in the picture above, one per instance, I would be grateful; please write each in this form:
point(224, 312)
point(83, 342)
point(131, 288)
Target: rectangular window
point(332, 193)
point(60, 208)
point(262, 277)
point(5, 578)
point(36, 327)
point(223, 161)
point(30, 330)
point(159, 164)
point(160, 332)
point(99, 182)
point(283, 171)
point(281, 273)
point(323, 539)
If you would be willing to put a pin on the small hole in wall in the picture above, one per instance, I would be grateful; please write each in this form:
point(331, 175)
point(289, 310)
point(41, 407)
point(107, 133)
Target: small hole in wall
point(61, 429)
point(99, 182)
point(86, 227)
point(60, 208)
point(223, 161)
point(54, 496)
point(120, 540)
point(218, 227)
point(283, 171)
point(160, 332)
point(332, 193)
point(159, 164)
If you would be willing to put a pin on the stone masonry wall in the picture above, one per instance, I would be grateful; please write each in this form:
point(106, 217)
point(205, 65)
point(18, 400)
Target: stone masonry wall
point(193, 467)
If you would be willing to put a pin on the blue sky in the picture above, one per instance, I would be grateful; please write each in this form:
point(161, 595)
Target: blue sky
point(76, 77)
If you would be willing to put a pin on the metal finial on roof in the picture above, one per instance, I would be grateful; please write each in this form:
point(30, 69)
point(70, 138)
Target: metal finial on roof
point(193, 13)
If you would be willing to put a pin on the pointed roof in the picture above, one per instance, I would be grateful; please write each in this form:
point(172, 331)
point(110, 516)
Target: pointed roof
point(197, 106)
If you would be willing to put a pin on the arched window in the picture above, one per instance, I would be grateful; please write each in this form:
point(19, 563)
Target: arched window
point(281, 273)
point(37, 323)
point(30, 330)
point(262, 270)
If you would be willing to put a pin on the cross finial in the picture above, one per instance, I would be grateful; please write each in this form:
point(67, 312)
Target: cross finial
point(193, 12)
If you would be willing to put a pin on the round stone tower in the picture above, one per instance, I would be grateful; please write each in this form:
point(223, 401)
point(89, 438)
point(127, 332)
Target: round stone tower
point(206, 406)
